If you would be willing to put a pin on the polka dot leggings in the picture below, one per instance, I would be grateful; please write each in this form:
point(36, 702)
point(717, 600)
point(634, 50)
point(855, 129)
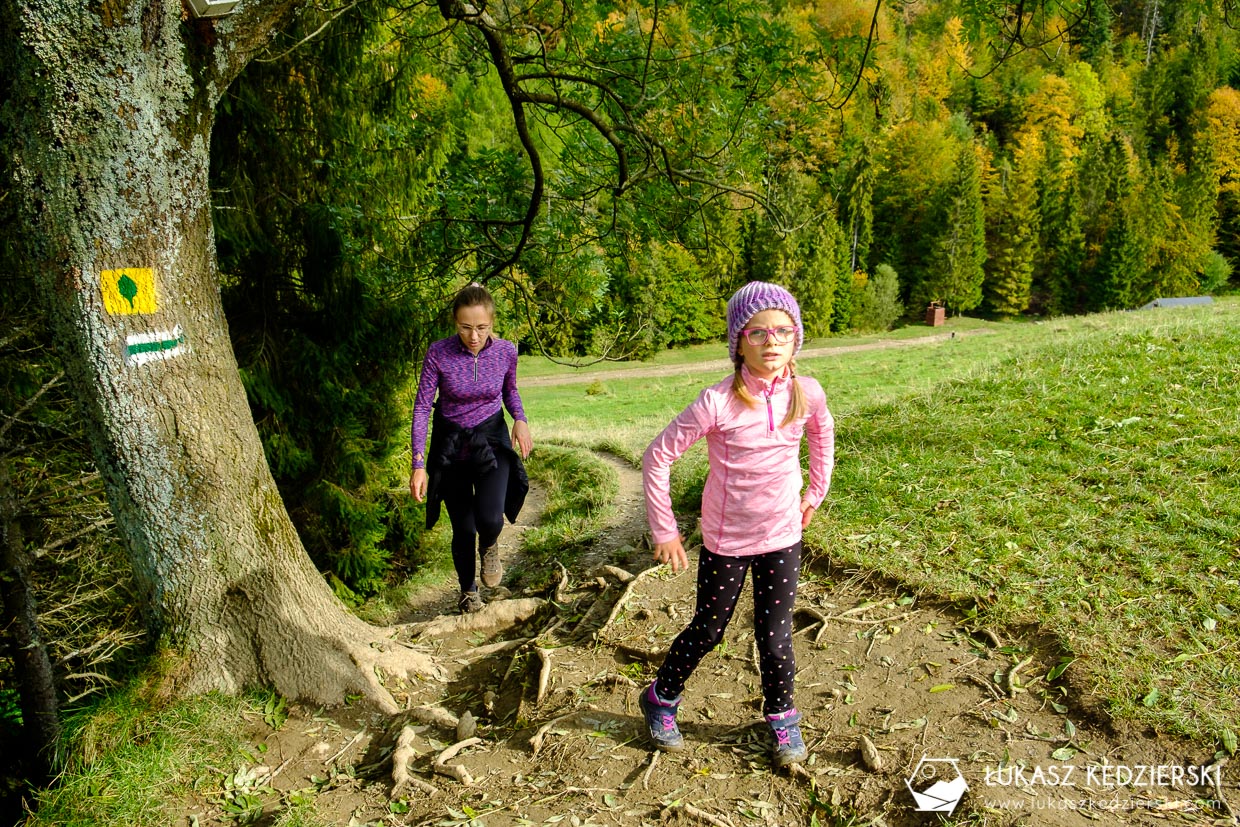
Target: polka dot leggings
point(719, 583)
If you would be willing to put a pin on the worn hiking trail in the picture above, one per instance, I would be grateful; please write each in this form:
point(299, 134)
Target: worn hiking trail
point(723, 366)
point(885, 681)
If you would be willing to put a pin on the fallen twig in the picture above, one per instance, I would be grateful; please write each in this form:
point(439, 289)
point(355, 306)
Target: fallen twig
point(537, 740)
point(360, 734)
point(654, 759)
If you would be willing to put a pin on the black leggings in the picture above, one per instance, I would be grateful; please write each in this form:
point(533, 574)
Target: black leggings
point(719, 583)
point(476, 509)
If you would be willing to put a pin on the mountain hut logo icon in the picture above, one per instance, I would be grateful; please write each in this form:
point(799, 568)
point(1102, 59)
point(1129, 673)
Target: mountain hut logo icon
point(937, 785)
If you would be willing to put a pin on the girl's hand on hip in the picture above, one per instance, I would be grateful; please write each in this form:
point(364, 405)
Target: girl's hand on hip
point(807, 513)
point(521, 437)
point(673, 553)
point(417, 484)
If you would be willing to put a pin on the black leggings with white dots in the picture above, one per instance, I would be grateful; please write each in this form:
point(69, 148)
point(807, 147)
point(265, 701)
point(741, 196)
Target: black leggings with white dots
point(719, 583)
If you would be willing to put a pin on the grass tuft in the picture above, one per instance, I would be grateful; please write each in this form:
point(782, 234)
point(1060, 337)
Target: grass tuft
point(131, 756)
point(581, 491)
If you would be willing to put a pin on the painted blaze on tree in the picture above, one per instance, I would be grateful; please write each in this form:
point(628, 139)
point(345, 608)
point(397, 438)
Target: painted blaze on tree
point(107, 127)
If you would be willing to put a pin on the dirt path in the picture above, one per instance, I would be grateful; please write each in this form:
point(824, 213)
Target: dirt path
point(934, 697)
point(723, 365)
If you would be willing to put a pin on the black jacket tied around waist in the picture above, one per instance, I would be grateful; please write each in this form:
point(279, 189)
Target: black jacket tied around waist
point(474, 448)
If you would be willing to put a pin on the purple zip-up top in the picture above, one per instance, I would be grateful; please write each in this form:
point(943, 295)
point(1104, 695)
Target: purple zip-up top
point(471, 388)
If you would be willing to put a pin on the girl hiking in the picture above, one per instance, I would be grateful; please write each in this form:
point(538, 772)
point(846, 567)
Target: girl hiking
point(753, 511)
point(471, 466)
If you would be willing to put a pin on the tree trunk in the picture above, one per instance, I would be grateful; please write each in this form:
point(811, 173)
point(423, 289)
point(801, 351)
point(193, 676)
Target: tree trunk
point(20, 617)
point(109, 127)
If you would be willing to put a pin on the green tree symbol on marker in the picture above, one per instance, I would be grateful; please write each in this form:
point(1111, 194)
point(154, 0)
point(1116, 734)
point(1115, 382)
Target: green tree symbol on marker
point(127, 287)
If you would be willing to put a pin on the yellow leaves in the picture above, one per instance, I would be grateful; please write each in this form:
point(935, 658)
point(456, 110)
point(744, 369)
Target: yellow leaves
point(956, 46)
point(1222, 132)
point(612, 23)
point(429, 88)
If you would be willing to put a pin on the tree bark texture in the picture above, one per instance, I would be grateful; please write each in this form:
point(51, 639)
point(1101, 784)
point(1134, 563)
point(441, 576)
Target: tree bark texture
point(109, 127)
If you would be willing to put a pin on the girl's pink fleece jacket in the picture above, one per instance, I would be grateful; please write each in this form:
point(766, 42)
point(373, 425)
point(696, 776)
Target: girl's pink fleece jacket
point(751, 504)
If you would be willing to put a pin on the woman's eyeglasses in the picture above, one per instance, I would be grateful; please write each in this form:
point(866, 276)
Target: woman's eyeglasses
point(758, 336)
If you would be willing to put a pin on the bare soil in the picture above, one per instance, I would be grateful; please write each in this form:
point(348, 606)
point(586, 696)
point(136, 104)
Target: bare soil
point(911, 676)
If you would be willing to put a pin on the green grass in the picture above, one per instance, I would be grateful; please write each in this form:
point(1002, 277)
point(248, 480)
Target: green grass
point(1078, 474)
point(1089, 487)
point(531, 365)
point(130, 756)
point(580, 490)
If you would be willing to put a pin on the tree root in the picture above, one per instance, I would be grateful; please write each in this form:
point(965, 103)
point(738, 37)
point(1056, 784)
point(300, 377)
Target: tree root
point(593, 613)
point(695, 813)
point(614, 679)
point(618, 573)
point(846, 617)
point(536, 742)
point(869, 755)
point(647, 655)
point(441, 766)
point(431, 714)
point(544, 673)
point(618, 606)
point(402, 778)
point(800, 773)
point(501, 613)
point(495, 648)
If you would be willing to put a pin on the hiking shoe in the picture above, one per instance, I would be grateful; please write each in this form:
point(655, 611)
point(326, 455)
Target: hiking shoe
point(789, 745)
point(470, 602)
point(661, 720)
point(492, 568)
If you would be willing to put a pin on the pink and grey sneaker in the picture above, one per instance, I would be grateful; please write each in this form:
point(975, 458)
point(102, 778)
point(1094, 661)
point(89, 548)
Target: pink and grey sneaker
point(789, 745)
point(661, 720)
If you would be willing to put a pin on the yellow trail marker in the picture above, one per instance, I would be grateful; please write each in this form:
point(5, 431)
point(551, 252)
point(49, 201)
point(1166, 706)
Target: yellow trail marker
point(128, 291)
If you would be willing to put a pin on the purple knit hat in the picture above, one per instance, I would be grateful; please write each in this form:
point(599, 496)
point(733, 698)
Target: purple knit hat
point(751, 300)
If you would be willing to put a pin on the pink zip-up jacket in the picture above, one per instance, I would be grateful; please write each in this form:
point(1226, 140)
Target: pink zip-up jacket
point(752, 500)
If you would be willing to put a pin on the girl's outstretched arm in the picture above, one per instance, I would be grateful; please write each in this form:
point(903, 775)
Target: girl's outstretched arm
point(693, 423)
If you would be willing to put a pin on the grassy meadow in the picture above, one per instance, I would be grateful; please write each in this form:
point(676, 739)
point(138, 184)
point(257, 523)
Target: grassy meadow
point(1077, 474)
